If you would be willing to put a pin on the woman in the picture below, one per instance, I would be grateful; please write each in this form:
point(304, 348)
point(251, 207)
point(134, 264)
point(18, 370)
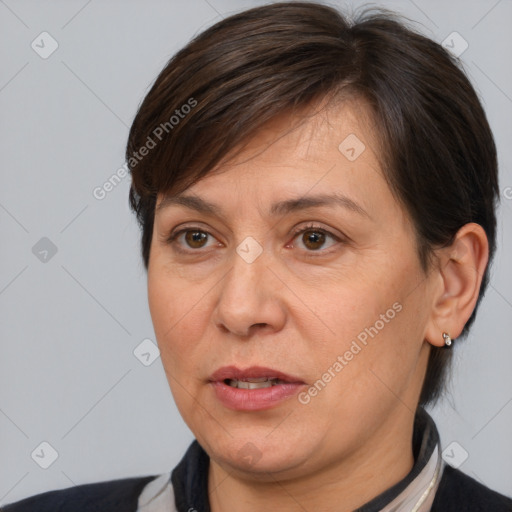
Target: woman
point(317, 204)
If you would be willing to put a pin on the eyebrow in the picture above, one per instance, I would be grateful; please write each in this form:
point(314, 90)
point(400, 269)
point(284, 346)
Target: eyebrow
point(279, 208)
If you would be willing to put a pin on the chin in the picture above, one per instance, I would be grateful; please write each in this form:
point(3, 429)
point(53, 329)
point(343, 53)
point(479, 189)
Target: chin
point(258, 454)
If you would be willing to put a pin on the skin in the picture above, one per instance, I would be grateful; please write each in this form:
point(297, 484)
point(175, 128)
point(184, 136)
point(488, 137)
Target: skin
point(211, 308)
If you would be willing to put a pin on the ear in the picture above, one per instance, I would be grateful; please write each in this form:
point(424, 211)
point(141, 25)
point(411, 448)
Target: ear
point(457, 283)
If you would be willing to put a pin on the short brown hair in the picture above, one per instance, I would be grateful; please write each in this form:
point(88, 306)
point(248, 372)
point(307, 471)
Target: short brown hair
point(439, 156)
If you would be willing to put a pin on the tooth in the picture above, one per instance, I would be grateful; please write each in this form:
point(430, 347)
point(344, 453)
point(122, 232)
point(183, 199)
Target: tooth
point(248, 384)
point(254, 382)
point(254, 385)
point(266, 384)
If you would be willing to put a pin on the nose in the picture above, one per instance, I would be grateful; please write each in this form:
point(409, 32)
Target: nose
point(249, 299)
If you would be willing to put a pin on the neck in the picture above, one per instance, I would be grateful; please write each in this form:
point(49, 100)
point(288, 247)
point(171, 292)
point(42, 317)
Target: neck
point(344, 486)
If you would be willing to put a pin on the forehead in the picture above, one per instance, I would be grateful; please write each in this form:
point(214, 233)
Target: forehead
point(314, 133)
point(325, 147)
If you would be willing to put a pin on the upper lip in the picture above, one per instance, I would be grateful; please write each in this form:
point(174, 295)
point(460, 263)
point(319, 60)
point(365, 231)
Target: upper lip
point(234, 373)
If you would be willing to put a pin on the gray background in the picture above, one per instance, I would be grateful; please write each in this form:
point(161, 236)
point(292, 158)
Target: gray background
point(69, 325)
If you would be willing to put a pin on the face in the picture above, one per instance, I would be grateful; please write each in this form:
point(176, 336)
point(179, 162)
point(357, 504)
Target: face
point(329, 293)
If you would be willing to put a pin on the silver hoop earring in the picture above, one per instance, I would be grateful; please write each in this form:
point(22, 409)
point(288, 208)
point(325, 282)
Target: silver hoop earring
point(447, 339)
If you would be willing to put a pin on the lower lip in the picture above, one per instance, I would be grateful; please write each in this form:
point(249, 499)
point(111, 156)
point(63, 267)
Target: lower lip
point(254, 399)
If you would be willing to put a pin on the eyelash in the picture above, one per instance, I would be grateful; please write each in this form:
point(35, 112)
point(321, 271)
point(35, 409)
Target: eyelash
point(172, 239)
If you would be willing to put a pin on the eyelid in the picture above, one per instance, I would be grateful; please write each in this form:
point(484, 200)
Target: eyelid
point(187, 226)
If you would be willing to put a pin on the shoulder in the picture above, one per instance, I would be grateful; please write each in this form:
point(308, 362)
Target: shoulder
point(119, 495)
point(461, 493)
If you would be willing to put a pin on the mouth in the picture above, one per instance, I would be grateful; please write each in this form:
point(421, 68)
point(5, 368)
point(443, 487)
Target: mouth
point(255, 383)
point(255, 377)
point(255, 388)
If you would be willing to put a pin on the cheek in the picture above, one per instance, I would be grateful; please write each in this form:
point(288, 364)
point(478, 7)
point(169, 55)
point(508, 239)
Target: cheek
point(351, 305)
point(177, 320)
point(172, 311)
point(374, 324)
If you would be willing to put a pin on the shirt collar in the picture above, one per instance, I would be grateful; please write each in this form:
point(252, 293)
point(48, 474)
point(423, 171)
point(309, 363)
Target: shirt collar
point(187, 488)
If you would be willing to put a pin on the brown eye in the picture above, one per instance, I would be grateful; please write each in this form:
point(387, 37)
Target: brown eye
point(195, 239)
point(313, 239)
point(191, 240)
